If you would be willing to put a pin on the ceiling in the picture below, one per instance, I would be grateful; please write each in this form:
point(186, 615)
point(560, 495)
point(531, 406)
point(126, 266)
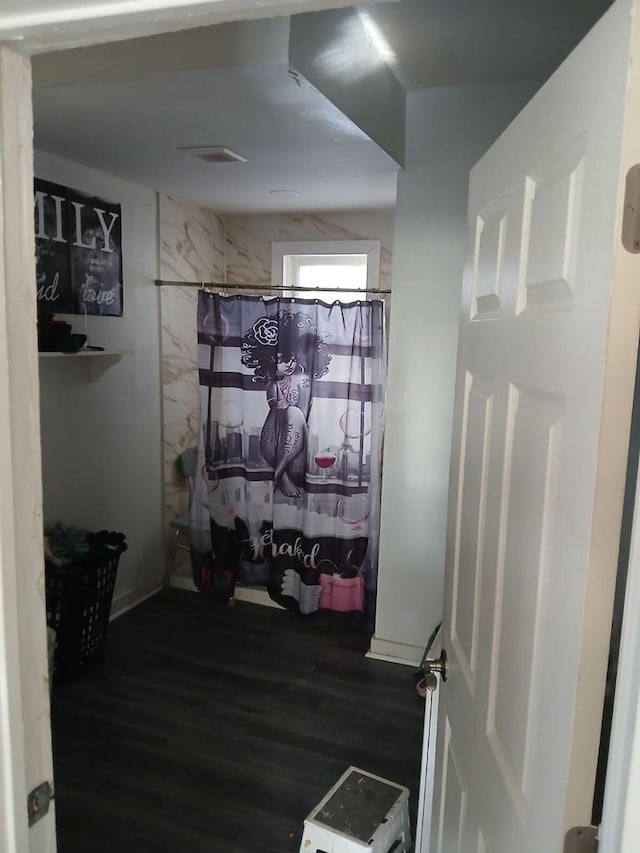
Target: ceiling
point(448, 42)
point(41, 25)
point(130, 116)
point(293, 138)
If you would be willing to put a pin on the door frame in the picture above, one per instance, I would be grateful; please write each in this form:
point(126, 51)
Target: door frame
point(25, 734)
point(620, 827)
point(620, 820)
point(22, 592)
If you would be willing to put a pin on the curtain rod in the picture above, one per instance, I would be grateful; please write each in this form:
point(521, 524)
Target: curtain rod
point(159, 282)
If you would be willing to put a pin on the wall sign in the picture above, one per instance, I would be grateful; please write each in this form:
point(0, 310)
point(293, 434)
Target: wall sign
point(78, 251)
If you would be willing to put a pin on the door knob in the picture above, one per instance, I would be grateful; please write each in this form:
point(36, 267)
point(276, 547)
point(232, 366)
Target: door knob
point(439, 665)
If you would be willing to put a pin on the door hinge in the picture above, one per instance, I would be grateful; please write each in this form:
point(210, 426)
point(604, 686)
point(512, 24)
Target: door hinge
point(581, 839)
point(38, 802)
point(631, 212)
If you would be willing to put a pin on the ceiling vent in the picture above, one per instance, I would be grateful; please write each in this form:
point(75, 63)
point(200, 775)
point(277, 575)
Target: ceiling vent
point(215, 154)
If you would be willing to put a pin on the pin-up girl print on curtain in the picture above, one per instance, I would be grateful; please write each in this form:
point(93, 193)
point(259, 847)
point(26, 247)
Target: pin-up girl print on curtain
point(286, 352)
point(288, 492)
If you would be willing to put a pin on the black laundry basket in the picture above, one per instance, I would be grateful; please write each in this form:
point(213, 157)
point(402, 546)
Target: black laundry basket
point(78, 606)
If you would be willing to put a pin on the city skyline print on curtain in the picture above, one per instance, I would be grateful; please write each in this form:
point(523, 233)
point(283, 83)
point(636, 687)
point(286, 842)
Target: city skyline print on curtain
point(288, 488)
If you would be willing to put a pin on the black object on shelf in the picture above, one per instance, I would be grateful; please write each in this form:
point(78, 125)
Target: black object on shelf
point(79, 598)
point(56, 335)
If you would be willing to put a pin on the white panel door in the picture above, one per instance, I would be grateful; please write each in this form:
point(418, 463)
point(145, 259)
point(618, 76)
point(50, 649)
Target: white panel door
point(544, 385)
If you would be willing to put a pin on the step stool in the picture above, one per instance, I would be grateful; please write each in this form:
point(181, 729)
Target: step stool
point(362, 813)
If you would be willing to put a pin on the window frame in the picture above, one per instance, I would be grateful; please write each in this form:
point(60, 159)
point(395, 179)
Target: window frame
point(370, 248)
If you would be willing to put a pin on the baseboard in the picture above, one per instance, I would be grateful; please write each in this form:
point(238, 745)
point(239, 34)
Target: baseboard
point(403, 653)
point(130, 600)
point(255, 595)
point(251, 594)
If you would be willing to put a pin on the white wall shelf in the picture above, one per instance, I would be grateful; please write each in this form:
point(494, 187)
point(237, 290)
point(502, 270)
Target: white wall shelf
point(98, 360)
point(83, 353)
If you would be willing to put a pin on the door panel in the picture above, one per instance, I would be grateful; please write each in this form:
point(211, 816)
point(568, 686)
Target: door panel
point(489, 261)
point(550, 230)
point(544, 387)
point(452, 820)
point(522, 584)
point(467, 569)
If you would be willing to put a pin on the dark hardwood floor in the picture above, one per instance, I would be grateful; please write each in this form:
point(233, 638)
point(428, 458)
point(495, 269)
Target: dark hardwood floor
point(210, 729)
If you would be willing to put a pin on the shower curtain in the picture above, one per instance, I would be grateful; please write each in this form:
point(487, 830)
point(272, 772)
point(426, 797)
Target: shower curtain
point(288, 488)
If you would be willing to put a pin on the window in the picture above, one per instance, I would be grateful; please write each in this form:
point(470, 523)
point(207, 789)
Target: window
point(340, 268)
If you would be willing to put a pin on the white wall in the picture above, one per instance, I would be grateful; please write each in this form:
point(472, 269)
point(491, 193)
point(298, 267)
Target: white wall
point(101, 439)
point(448, 130)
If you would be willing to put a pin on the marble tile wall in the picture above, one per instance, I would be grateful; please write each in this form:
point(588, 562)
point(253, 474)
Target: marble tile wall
point(192, 248)
point(249, 239)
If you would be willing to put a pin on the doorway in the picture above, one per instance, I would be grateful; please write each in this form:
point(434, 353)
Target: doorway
point(189, 233)
point(32, 367)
